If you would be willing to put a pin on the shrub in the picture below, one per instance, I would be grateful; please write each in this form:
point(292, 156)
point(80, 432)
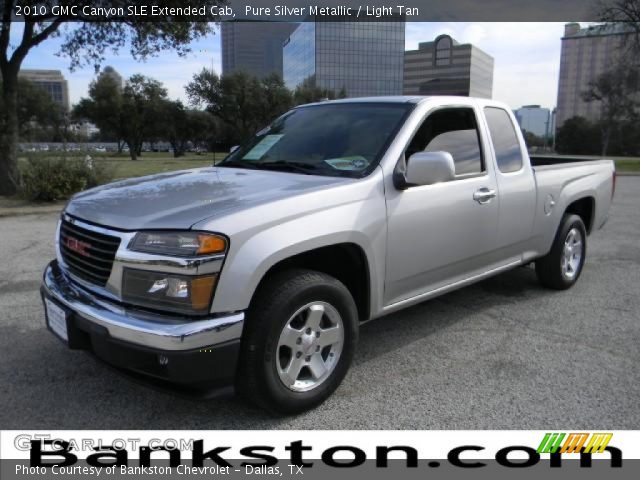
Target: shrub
point(48, 179)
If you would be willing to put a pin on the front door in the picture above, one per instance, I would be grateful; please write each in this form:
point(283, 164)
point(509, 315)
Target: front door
point(445, 232)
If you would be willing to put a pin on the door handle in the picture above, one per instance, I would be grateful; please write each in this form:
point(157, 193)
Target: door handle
point(484, 195)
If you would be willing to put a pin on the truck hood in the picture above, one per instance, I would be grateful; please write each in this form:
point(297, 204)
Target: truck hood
point(178, 200)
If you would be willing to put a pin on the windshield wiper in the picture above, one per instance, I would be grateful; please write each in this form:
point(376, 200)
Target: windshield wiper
point(298, 167)
point(238, 164)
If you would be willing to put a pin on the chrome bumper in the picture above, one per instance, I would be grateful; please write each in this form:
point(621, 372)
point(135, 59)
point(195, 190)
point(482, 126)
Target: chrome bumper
point(137, 327)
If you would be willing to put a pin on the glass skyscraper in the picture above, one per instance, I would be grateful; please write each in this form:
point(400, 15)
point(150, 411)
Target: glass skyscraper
point(253, 47)
point(363, 58)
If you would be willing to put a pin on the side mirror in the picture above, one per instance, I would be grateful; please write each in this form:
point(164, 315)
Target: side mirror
point(234, 148)
point(426, 168)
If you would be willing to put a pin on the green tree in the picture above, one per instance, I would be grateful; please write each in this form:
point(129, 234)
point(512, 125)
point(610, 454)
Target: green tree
point(533, 140)
point(104, 108)
point(84, 43)
point(308, 92)
point(143, 102)
point(203, 129)
point(617, 91)
point(183, 127)
point(626, 12)
point(242, 102)
point(274, 100)
point(35, 110)
point(578, 136)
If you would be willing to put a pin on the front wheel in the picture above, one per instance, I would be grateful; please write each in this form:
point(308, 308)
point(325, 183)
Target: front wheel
point(561, 267)
point(299, 340)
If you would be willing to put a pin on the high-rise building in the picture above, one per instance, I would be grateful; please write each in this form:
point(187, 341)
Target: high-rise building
point(253, 47)
point(535, 119)
point(586, 54)
point(52, 82)
point(112, 73)
point(361, 58)
point(446, 67)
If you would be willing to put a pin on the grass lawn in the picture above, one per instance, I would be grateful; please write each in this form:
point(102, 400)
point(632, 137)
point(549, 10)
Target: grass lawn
point(149, 163)
point(156, 162)
point(627, 164)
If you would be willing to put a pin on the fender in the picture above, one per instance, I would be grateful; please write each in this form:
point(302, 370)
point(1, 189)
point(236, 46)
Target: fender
point(252, 254)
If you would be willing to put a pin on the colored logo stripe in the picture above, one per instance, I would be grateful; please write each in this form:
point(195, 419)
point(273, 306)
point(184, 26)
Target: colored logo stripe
point(598, 442)
point(551, 442)
point(574, 442)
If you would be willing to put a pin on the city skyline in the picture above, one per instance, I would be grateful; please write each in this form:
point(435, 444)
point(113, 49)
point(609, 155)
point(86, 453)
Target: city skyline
point(527, 59)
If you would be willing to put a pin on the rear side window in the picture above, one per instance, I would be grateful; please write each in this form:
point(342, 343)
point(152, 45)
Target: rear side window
point(505, 140)
point(452, 130)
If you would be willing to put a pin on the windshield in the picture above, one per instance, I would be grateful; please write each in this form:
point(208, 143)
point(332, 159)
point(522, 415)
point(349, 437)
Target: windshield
point(339, 139)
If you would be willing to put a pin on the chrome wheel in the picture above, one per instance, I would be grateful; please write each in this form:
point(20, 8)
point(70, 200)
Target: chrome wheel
point(309, 346)
point(572, 254)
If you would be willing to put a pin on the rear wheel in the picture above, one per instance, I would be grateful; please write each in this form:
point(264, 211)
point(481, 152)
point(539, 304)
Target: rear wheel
point(562, 266)
point(299, 340)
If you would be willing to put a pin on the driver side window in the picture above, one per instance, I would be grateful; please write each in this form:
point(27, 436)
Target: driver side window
point(453, 130)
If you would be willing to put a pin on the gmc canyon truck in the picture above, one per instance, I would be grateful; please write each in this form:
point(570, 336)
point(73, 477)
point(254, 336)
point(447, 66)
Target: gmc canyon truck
point(256, 274)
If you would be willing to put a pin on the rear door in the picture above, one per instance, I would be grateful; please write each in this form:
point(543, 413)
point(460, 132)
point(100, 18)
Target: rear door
point(516, 185)
point(441, 233)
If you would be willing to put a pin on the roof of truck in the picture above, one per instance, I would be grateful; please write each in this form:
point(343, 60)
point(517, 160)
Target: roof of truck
point(410, 99)
point(393, 99)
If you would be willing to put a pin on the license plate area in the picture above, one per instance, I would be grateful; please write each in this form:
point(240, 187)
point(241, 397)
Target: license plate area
point(57, 319)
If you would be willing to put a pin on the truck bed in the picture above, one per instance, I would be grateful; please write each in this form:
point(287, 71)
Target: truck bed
point(544, 160)
point(564, 179)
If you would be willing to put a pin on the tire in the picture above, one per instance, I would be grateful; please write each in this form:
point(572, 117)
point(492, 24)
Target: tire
point(292, 319)
point(562, 266)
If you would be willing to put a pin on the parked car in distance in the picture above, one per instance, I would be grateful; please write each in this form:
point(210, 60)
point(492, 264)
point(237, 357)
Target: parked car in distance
point(257, 274)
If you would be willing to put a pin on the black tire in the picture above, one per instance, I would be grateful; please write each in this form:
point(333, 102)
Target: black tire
point(280, 297)
point(549, 268)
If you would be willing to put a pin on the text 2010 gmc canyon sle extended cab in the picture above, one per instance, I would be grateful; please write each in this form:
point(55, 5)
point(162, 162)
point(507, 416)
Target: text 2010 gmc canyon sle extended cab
point(257, 273)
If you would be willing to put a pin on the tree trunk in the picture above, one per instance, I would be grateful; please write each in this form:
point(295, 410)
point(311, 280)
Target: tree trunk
point(9, 176)
point(605, 139)
point(133, 150)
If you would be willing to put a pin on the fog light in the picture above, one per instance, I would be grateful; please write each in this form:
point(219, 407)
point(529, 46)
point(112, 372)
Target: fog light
point(173, 287)
point(168, 292)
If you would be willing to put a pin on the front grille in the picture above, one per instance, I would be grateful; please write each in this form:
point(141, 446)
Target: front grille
point(87, 254)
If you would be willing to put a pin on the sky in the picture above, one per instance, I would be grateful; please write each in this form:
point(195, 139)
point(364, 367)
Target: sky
point(527, 59)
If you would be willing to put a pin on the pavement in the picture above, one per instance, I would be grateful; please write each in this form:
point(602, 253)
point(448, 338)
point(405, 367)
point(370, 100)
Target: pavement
point(502, 354)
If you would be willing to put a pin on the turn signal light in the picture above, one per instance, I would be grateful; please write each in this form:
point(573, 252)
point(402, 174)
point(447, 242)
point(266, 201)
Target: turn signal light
point(211, 244)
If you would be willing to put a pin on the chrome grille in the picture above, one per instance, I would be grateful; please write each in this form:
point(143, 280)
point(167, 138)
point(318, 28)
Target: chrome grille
point(87, 254)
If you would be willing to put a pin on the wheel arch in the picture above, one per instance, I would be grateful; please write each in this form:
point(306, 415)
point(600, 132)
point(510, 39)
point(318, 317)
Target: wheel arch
point(344, 261)
point(585, 208)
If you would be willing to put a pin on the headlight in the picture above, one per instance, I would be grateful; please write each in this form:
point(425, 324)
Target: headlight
point(182, 244)
point(168, 292)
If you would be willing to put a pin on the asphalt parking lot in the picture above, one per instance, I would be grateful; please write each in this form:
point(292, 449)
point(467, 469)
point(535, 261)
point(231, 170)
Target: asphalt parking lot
point(502, 354)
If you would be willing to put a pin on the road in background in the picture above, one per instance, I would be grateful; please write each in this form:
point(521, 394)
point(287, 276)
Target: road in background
point(501, 354)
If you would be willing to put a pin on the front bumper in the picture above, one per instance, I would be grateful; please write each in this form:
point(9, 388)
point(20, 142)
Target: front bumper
point(198, 353)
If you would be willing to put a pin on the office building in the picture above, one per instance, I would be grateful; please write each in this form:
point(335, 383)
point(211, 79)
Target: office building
point(52, 82)
point(446, 67)
point(586, 54)
point(253, 47)
point(360, 58)
point(535, 119)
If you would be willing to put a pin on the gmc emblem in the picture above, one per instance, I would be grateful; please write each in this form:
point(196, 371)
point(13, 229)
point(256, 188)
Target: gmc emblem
point(77, 246)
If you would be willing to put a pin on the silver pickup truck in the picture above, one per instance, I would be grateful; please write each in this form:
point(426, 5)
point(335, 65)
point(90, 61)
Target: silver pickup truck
point(255, 275)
